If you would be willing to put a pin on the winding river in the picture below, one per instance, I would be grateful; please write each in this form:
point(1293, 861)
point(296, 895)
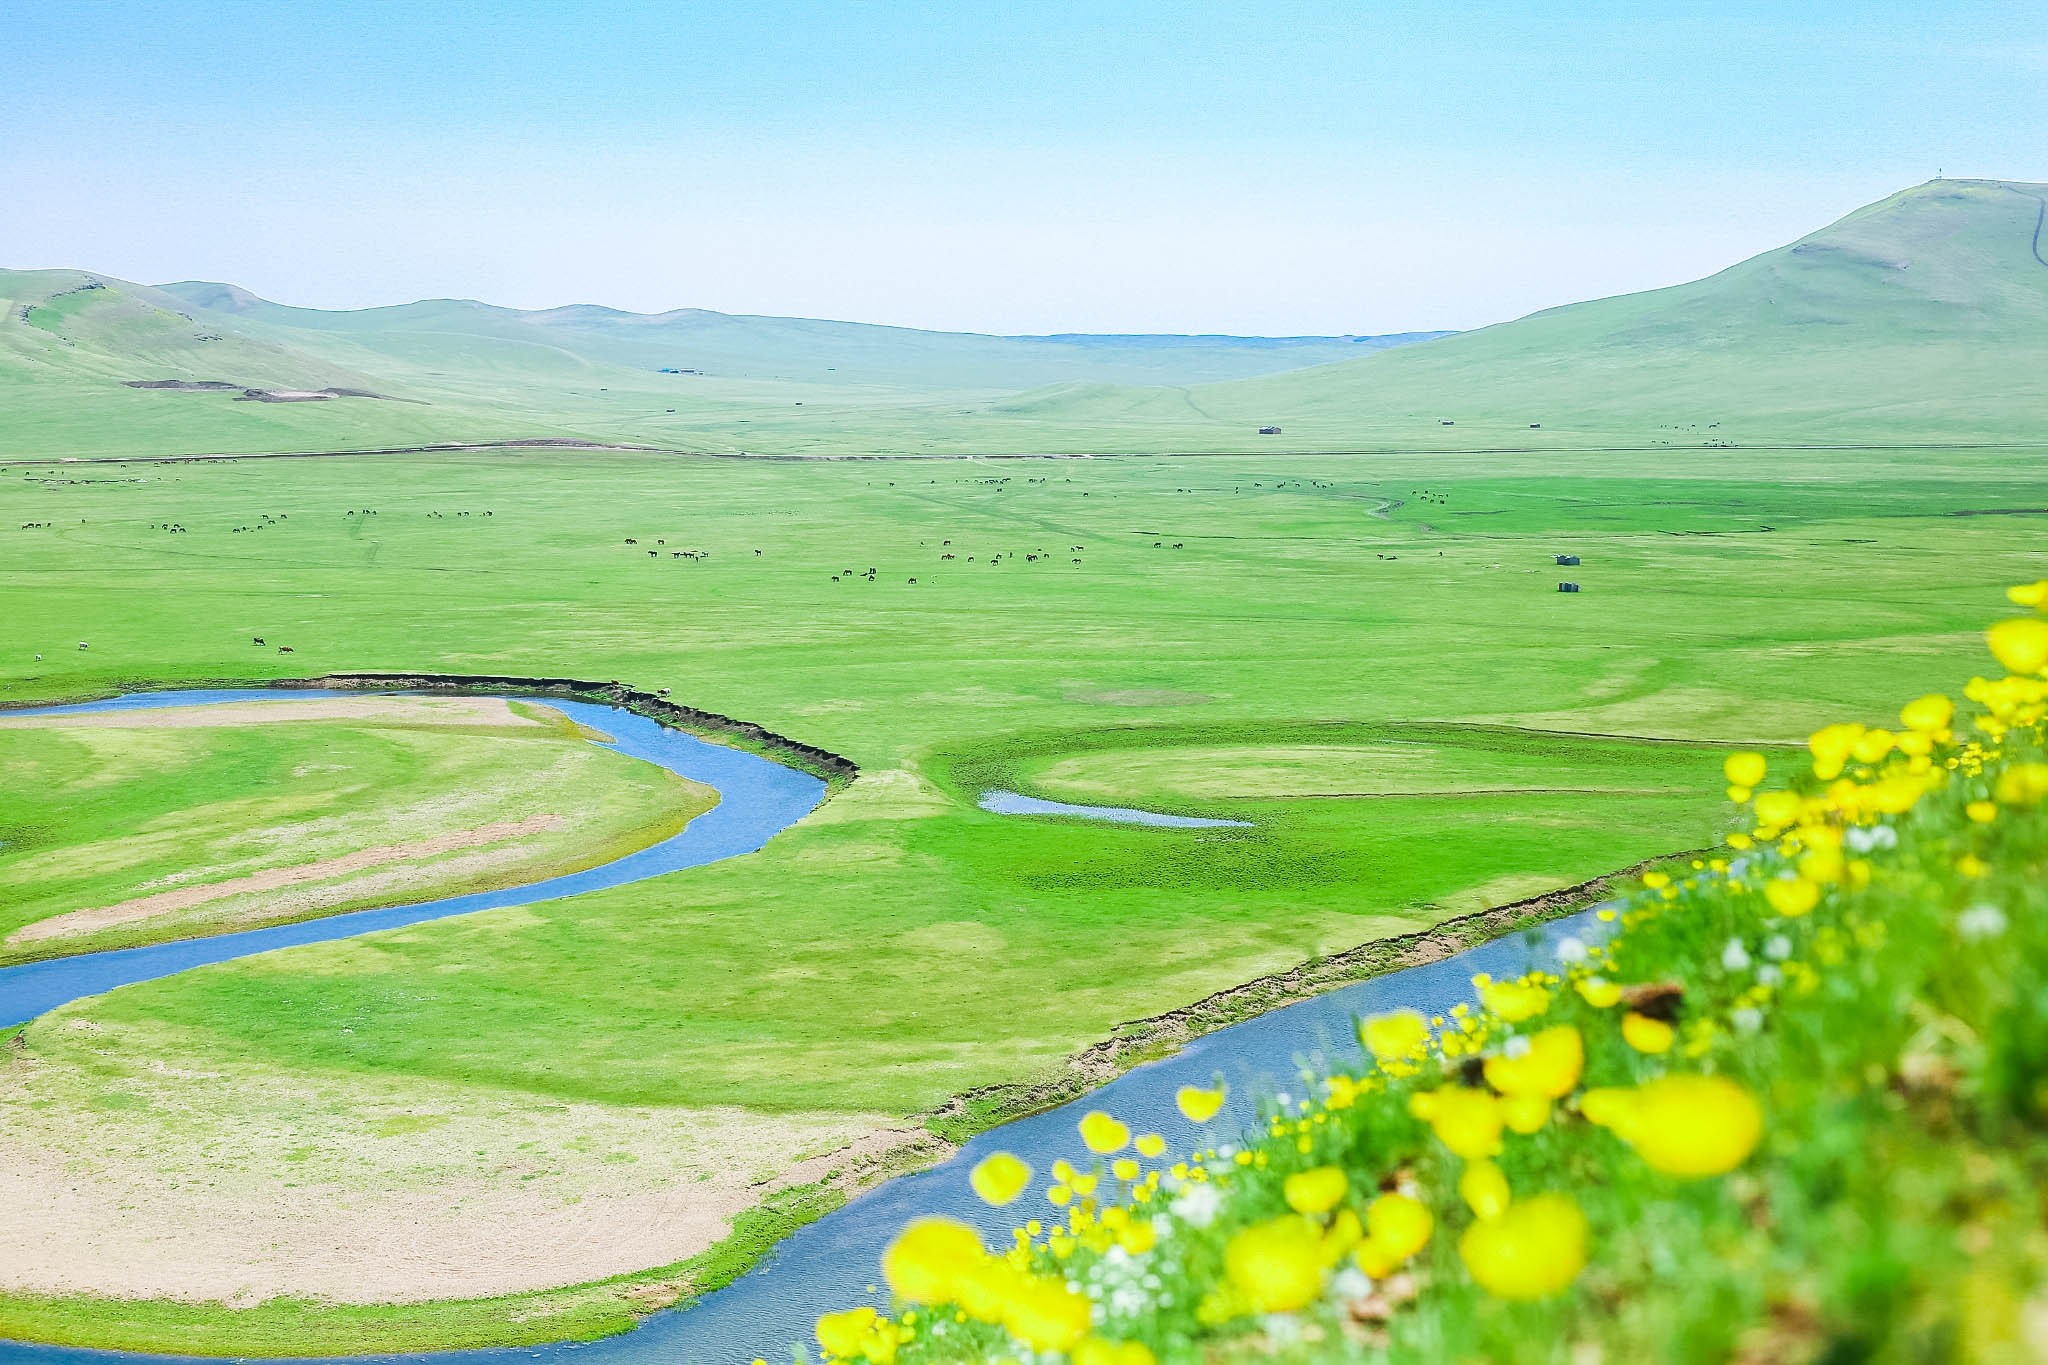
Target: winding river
point(833, 1262)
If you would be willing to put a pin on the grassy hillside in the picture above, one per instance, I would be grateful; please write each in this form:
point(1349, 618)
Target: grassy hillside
point(1923, 316)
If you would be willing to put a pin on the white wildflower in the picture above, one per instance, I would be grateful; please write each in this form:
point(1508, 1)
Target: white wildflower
point(1777, 947)
point(1747, 1019)
point(1735, 957)
point(1571, 949)
point(1350, 1284)
point(1980, 921)
point(1196, 1205)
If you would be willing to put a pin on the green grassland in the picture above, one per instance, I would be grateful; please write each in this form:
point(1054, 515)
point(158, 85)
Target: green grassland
point(100, 815)
point(1363, 655)
point(1351, 638)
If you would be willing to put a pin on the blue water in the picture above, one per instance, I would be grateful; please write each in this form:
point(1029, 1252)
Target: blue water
point(1016, 803)
point(757, 798)
point(833, 1262)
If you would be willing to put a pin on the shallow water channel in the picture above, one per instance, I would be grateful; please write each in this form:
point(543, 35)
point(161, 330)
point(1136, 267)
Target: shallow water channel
point(835, 1262)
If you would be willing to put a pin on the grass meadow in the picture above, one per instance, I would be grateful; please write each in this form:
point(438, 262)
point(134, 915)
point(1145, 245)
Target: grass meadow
point(1366, 656)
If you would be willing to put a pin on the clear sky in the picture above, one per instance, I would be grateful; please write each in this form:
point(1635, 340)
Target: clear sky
point(1264, 166)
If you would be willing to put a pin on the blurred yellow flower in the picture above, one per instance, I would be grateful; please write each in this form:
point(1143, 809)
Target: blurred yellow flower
point(1484, 1189)
point(1464, 1119)
point(1096, 1351)
point(1928, 714)
point(1045, 1314)
point(2020, 644)
point(1533, 1250)
point(1791, 896)
point(1513, 1001)
point(1550, 1066)
point(1316, 1191)
point(1150, 1145)
point(1397, 1036)
point(1102, 1133)
point(1744, 769)
point(1645, 1034)
point(845, 1334)
point(1197, 1104)
point(999, 1178)
point(1276, 1265)
point(1683, 1125)
point(1399, 1225)
point(924, 1261)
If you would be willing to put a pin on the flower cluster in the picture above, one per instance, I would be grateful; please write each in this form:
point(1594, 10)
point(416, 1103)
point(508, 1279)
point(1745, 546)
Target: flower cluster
point(1791, 1098)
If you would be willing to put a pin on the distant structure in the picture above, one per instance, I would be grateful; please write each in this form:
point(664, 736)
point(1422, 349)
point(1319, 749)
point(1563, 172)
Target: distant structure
point(1269, 431)
point(1535, 426)
point(1567, 587)
point(1567, 559)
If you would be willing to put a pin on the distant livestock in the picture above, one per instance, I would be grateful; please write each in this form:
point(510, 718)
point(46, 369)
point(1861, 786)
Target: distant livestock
point(1269, 431)
point(1567, 559)
point(1567, 587)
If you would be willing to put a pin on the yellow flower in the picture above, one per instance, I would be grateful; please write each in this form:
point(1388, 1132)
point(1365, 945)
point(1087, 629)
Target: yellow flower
point(1645, 1034)
point(1046, 1315)
point(1775, 808)
point(1983, 812)
point(1276, 1265)
point(1344, 1233)
point(1397, 1036)
point(1197, 1104)
point(2020, 644)
point(1123, 1168)
point(1150, 1145)
point(1399, 1225)
point(1096, 1351)
point(1928, 714)
point(1743, 769)
point(1532, 1251)
point(1599, 992)
point(844, 1334)
point(1466, 1120)
point(1102, 1133)
point(1831, 747)
point(1513, 1001)
point(924, 1261)
point(1525, 1114)
point(1791, 896)
point(2023, 784)
point(1316, 1191)
point(999, 1178)
point(1682, 1125)
point(1550, 1068)
point(1484, 1189)
point(985, 1286)
point(2029, 594)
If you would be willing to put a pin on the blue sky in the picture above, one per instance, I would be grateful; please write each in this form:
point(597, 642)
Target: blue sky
point(1341, 166)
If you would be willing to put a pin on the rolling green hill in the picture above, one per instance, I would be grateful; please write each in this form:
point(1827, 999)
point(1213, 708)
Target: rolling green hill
point(1923, 316)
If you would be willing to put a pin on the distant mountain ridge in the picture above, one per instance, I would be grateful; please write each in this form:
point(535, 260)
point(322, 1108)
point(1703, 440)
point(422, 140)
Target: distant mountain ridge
point(756, 346)
point(1922, 318)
